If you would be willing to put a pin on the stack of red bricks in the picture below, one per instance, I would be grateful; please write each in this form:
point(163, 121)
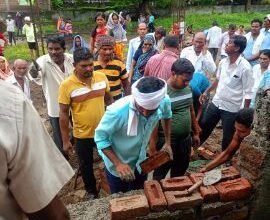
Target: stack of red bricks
point(171, 194)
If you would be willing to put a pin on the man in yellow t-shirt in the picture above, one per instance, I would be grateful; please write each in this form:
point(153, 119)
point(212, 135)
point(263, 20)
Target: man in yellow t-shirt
point(83, 92)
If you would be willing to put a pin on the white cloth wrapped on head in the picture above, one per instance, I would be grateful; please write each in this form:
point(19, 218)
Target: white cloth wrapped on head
point(149, 101)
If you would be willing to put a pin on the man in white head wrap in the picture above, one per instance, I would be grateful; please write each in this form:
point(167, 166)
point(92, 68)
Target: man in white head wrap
point(124, 131)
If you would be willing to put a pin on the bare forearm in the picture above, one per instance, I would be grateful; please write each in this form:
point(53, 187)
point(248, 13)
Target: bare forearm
point(126, 87)
point(212, 87)
point(227, 154)
point(112, 156)
point(153, 140)
point(247, 103)
point(64, 126)
point(166, 125)
point(54, 210)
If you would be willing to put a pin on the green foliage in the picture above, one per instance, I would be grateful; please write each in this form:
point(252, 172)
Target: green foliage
point(163, 4)
point(202, 22)
point(57, 4)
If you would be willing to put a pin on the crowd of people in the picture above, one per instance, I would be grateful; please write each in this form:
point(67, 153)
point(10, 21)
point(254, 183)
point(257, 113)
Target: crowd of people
point(156, 99)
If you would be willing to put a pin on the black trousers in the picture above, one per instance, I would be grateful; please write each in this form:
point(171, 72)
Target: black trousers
point(181, 148)
point(214, 52)
point(11, 37)
point(210, 119)
point(84, 150)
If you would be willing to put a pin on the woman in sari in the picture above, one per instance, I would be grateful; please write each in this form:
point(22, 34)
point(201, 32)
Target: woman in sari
point(5, 71)
point(145, 51)
point(116, 30)
point(78, 42)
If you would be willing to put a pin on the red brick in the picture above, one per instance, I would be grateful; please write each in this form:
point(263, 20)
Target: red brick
point(176, 183)
point(155, 161)
point(205, 153)
point(155, 195)
point(196, 177)
point(209, 193)
point(229, 173)
point(251, 158)
point(180, 200)
point(129, 207)
point(234, 189)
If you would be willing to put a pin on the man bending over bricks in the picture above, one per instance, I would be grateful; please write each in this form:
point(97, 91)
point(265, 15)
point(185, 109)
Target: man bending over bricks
point(243, 122)
point(124, 131)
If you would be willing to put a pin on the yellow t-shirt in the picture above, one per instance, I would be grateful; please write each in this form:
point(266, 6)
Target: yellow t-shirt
point(86, 114)
point(115, 72)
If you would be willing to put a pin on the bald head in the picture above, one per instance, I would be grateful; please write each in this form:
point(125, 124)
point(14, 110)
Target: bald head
point(199, 42)
point(20, 68)
point(19, 61)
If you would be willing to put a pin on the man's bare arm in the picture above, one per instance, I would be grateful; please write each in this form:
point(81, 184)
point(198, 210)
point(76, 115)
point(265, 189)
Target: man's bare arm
point(54, 210)
point(126, 86)
point(64, 126)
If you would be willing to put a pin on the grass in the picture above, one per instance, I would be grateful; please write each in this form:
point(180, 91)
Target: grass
point(202, 22)
point(199, 22)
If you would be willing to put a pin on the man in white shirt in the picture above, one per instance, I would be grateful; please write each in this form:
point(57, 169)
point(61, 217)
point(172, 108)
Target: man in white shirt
point(234, 83)
point(199, 56)
point(11, 29)
point(32, 170)
point(225, 37)
point(19, 78)
point(135, 43)
point(50, 70)
point(254, 42)
point(213, 38)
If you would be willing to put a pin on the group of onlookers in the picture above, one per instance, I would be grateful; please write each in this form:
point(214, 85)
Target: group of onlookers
point(157, 100)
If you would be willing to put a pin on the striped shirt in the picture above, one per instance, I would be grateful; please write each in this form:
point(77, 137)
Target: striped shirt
point(115, 72)
point(160, 65)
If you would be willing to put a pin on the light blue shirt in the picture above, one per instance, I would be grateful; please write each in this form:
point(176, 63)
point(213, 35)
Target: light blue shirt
point(112, 132)
point(264, 85)
point(248, 51)
point(266, 41)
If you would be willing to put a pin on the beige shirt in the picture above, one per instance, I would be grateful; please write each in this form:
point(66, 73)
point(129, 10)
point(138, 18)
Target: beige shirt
point(26, 85)
point(32, 170)
point(50, 78)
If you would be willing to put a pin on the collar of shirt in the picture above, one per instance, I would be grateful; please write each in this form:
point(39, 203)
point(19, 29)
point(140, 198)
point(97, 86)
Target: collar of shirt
point(67, 57)
point(167, 52)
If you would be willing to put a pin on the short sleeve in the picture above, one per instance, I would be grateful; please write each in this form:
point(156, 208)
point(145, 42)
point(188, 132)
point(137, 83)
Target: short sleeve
point(123, 74)
point(165, 107)
point(63, 95)
point(37, 170)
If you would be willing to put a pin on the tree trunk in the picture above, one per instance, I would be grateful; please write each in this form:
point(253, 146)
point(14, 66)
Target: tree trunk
point(144, 6)
point(247, 5)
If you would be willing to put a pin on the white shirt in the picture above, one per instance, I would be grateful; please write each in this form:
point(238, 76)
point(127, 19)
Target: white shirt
point(235, 84)
point(132, 47)
point(201, 63)
point(32, 169)
point(214, 36)
point(10, 25)
point(50, 78)
point(26, 85)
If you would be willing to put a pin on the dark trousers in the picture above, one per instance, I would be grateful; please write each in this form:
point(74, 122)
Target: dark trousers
point(118, 185)
point(84, 150)
point(11, 37)
point(181, 148)
point(214, 52)
point(210, 119)
point(57, 134)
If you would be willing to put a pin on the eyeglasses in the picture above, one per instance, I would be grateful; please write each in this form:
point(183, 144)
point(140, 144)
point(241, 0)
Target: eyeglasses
point(146, 44)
